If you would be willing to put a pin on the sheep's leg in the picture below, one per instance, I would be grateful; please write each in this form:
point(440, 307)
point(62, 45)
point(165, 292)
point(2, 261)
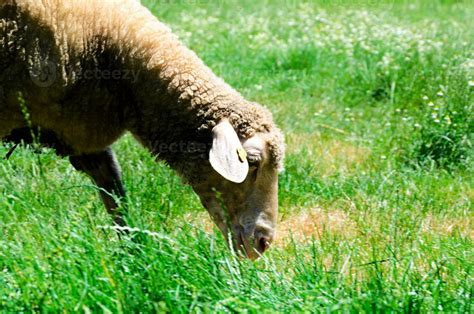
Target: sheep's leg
point(104, 170)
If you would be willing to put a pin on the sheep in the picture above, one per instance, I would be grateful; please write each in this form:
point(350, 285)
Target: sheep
point(90, 70)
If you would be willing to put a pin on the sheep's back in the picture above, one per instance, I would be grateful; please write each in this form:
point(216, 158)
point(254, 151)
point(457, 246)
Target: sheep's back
point(44, 53)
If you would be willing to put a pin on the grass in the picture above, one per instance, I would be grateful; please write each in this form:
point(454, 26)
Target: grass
point(376, 101)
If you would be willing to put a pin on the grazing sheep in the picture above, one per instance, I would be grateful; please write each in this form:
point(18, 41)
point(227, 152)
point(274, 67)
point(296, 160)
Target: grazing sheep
point(90, 70)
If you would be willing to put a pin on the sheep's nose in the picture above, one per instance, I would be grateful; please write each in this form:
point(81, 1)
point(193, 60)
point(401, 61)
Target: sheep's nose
point(262, 244)
point(263, 238)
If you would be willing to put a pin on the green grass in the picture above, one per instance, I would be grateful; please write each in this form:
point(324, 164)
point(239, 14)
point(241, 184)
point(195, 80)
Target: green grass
point(376, 102)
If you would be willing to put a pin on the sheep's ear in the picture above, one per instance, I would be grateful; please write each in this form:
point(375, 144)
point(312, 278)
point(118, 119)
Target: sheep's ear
point(227, 156)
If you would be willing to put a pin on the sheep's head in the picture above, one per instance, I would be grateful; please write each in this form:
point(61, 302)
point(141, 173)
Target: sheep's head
point(240, 191)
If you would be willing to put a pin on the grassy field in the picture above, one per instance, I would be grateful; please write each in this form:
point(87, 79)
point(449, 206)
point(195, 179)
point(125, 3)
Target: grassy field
point(376, 102)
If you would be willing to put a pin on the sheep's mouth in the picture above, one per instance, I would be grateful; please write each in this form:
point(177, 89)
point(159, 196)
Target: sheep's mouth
point(243, 245)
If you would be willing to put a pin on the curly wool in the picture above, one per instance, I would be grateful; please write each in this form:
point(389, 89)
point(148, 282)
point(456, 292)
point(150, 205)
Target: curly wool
point(173, 99)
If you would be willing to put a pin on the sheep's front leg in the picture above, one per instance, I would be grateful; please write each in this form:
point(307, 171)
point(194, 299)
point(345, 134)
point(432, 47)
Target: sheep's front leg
point(104, 170)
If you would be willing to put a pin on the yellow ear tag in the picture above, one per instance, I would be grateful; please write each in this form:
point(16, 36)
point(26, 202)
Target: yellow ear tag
point(242, 154)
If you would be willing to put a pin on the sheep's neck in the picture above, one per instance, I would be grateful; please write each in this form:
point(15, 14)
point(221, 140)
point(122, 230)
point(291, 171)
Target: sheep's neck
point(178, 98)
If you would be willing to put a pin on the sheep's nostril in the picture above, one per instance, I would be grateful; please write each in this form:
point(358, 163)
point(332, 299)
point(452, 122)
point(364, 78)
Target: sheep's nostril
point(263, 243)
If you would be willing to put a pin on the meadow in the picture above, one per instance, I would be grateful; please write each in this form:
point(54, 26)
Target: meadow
point(376, 201)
